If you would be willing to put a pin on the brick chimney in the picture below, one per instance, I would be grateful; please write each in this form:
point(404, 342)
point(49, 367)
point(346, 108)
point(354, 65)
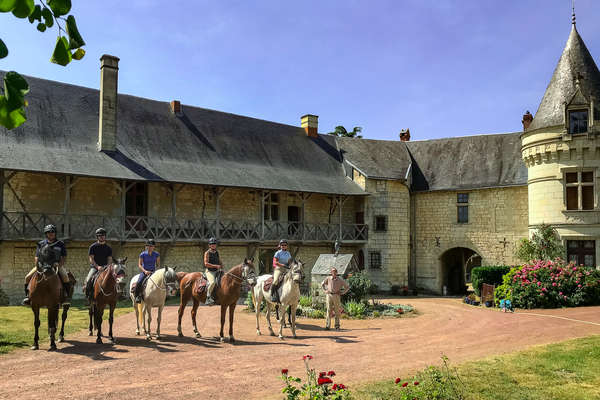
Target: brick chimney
point(176, 107)
point(527, 118)
point(107, 129)
point(310, 123)
point(405, 135)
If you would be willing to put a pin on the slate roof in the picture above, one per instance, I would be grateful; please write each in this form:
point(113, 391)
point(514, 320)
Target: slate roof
point(384, 159)
point(325, 262)
point(468, 162)
point(575, 61)
point(202, 147)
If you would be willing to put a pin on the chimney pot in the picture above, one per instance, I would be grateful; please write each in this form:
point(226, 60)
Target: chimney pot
point(107, 121)
point(405, 135)
point(527, 119)
point(310, 123)
point(176, 107)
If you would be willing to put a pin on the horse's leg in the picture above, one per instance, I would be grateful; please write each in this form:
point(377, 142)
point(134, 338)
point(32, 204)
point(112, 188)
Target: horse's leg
point(160, 308)
point(223, 311)
point(52, 322)
point(92, 314)
point(289, 314)
point(111, 311)
point(194, 310)
point(36, 325)
point(137, 317)
point(98, 312)
point(293, 321)
point(282, 321)
point(182, 304)
point(257, 304)
point(148, 311)
point(231, 312)
point(61, 335)
point(268, 315)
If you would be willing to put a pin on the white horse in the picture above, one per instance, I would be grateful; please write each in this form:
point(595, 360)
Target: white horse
point(289, 295)
point(155, 294)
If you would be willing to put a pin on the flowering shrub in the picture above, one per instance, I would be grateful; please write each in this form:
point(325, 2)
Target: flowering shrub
point(550, 284)
point(317, 386)
point(432, 384)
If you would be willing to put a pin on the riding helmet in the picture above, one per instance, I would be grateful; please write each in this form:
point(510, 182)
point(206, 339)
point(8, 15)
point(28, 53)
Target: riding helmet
point(283, 241)
point(150, 242)
point(212, 240)
point(50, 228)
point(100, 231)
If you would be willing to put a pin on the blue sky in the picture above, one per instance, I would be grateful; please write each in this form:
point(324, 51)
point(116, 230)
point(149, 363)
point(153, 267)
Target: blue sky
point(442, 68)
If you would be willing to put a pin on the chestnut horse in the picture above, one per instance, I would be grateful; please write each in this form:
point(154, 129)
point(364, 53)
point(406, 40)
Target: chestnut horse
point(188, 284)
point(107, 290)
point(45, 288)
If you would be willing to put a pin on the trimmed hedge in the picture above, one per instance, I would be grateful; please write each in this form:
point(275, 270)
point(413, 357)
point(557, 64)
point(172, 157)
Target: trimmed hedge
point(492, 275)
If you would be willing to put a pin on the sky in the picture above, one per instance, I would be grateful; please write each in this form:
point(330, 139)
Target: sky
point(442, 68)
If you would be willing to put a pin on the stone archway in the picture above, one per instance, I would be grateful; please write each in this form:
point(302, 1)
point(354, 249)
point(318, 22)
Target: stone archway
point(456, 264)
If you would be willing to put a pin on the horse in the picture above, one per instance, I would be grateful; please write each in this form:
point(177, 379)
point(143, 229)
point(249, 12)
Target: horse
point(289, 296)
point(229, 290)
point(189, 283)
point(155, 295)
point(45, 290)
point(107, 290)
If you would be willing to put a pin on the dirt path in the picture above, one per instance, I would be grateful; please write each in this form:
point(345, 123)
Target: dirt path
point(204, 368)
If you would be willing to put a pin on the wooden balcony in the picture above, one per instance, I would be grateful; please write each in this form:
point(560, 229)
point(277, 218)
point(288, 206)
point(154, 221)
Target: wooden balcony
point(30, 226)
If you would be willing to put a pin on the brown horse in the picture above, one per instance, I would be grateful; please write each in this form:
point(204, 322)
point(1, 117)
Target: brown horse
point(45, 288)
point(107, 290)
point(189, 284)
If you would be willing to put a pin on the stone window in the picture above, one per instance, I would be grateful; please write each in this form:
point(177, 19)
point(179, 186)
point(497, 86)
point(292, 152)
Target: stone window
point(579, 190)
point(380, 223)
point(462, 208)
point(582, 252)
point(578, 121)
point(375, 260)
point(272, 207)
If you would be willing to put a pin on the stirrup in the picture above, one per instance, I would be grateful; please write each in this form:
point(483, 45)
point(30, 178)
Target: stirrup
point(138, 299)
point(26, 301)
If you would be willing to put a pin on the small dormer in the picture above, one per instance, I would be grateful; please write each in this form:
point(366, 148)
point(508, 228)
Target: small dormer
point(578, 114)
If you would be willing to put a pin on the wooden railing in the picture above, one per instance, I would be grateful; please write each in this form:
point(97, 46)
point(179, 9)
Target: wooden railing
point(30, 226)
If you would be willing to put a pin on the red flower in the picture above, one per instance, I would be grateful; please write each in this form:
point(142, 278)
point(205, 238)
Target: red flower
point(397, 380)
point(416, 383)
point(400, 311)
point(338, 386)
point(284, 371)
point(322, 374)
point(323, 381)
point(404, 384)
point(307, 357)
point(331, 373)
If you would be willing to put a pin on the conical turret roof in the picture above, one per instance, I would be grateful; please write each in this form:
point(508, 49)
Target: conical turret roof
point(575, 62)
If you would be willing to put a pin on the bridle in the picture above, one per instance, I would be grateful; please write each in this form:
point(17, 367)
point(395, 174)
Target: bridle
point(115, 273)
point(245, 272)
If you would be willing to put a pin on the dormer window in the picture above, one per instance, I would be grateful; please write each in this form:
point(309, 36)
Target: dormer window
point(578, 121)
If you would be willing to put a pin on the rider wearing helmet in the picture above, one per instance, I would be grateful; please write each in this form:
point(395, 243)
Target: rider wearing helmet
point(281, 260)
point(212, 262)
point(100, 255)
point(58, 254)
point(148, 262)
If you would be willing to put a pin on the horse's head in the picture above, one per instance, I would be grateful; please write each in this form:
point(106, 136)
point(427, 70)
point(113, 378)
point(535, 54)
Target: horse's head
point(120, 270)
point(171, 280)
point(248, 273)
point(297, 271)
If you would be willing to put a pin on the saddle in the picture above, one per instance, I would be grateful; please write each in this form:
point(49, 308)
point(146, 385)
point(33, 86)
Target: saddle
point(200, 285)
point(267, 284)
point(143, 288)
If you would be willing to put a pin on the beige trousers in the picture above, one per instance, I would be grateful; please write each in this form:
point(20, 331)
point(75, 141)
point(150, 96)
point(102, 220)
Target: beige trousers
point(334, 305)
point(211, 277)
point(62, 272)
point(277, 275)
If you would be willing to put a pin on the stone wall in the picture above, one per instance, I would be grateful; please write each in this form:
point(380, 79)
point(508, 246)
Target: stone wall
point(495, 216)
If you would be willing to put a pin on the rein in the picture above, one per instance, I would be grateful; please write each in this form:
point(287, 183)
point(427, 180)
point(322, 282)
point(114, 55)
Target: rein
point(104, 281)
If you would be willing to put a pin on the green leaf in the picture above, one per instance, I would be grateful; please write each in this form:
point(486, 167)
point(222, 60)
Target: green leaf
point(36, 14)
point(15, 89)
point(7, 5)
point(75, 39)
point(61, 55)
point(3, 49)
point(78, 55)
point(48, 17)
point(23, 8)
point(59, 7)
point(41, 27)
point(10, 119)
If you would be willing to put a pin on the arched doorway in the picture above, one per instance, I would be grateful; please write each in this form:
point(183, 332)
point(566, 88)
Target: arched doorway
point(457, 264)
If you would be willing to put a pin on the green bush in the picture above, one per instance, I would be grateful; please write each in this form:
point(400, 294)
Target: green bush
point(355, 309)
point(305, 301)
point(492, 275)
point(545, 244)
point(360, 288)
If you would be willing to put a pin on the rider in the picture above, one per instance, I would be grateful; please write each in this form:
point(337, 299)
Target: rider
point(281, 260)
point(212, 262)
point(58, 247)
point(100, 255)
point(148, 262)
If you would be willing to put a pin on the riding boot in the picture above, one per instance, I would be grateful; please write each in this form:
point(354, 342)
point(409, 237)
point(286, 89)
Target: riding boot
point(210, 300)
point(138, 293)
point(26, 300)
point(67, 289)
point(275, 293)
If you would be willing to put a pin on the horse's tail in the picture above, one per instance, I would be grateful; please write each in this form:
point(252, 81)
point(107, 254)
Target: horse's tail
point(140, 314)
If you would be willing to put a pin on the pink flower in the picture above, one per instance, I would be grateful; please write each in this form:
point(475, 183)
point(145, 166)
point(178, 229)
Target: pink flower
point(539, 283)
point(553, 283)
point(560, 293)
point(578, 286)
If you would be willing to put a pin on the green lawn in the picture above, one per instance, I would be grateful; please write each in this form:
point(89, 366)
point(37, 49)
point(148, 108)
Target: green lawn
point(16, 323)
point(567, 370)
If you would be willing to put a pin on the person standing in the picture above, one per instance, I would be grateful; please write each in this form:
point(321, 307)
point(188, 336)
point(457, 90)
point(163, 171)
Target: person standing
point(335, 287)
point(100, 255)
point(58, 254)
point(148, 262)
point(212, 263)
point(281, 260)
